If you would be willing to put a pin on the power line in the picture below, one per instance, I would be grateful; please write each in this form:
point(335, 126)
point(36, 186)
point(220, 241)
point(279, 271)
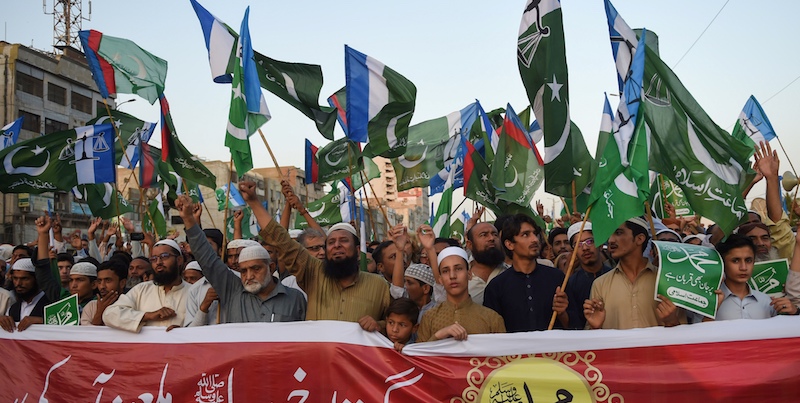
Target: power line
point(701, 34)
point(781, 90)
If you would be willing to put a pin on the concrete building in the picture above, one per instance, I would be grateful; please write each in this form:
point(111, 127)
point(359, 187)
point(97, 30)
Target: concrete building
point(52, 93)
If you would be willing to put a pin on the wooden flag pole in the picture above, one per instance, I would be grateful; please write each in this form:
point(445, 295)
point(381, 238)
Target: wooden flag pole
point(227, 202)
point(787, 155)
point(385, 217)
point(649, 214)
point(122, 146)
point(274, 160)
point(213, 224)
point(369, 207)
point(569, 267)
point(574, 197)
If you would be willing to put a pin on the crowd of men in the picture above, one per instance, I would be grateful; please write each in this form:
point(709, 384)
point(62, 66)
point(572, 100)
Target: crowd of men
point(507, 277)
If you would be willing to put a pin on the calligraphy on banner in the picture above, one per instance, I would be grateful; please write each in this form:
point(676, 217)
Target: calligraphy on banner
point(770, 277)
point(663, 190)
point(63, 313)
point(689, 275)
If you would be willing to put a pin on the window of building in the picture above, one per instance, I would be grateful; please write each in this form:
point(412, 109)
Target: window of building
point(52, 126)
point(31, 121)
point(101, 108)
point(30, 84)
point(56, 94)
point(81, 103)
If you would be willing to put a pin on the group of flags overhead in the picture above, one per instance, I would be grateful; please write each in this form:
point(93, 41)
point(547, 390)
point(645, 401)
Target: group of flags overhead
point(658, 126)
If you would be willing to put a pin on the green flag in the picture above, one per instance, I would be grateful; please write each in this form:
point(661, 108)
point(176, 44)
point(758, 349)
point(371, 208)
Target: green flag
point(104, 200)
point(457, 229)
point(63, 313)
point(622, 185)
point(183, 162)
point(770, 276)
point(520, 173)
point(250, 226)
point(248, 108)
point(370, 172)
point(753, 125)
point(542, 62)
point(338, 160)
point(441, 225)
point(331, 209)
point(663, 190)
point(156, 219)
point(477, 185)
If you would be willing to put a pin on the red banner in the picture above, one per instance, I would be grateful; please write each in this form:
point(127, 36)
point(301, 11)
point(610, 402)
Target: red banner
point(338, 362)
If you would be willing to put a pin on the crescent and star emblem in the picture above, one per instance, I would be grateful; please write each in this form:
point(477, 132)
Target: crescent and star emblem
point(32, 171)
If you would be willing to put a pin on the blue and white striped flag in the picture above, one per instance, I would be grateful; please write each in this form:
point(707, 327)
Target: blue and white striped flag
point(9, 134)
point(94, 154)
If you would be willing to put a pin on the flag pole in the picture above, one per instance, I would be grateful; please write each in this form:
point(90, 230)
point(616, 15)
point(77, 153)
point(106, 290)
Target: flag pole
point(122, 146)
point(569, 267)
point(385, 217)
point(787, 155)
point(227, 201)
point(566, 207)
point(274, 160)
point(663, 187)
point(213, 224)
point(574, 197)
point(649, 214)
point(366, 195)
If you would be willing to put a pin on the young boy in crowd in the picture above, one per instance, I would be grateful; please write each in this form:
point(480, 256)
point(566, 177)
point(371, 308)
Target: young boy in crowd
point(401, 322)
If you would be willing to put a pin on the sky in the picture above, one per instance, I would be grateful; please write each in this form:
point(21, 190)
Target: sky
point(454, 52)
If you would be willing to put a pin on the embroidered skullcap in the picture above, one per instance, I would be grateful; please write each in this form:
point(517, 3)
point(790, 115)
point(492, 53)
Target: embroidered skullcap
point(242, 243)
point(25, 264)
point(169, 242)
point(639, 221)
point(421, 272)
point(193, 265)
point(255, 252)
point(84, 269)
point(450, 251)
point(575, 228)
point(345, 226)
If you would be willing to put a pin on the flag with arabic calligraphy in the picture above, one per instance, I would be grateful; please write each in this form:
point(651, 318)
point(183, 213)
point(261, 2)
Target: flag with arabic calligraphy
point(338, 159)
point(689, 275)
point(687, 147)
point(330, 209)
point(183, 162)
point(120, 66)
point(519, 174)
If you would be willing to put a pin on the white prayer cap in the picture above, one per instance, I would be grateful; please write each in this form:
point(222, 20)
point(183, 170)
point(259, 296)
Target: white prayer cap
point(193, 265)
point(294, 233)
point(241, 243)
point(575, 228)
point(640, 222)
point(345, 226)
point(169, 242)
point(673, 232)
point(450, 251)
point(84, 269)
point(25, 264)
point(5, 251)
point(256, 252)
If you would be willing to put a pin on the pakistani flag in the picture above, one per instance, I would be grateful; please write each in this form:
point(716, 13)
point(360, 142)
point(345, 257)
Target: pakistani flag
point(441, 225)
point(519, 174)
point(622, 184)
point(248, 108)
point(753, 126)
point(59, 161)
point(250, 227)
point(155, 220)
point(120, 66)
point(184, 163)
point(542, 62)
point(432, 146)
point(339, 159)
point(9, 134)
point(331, 209)
point(380, 103)
point(103, 199)
point(132, 132)
point(298, 84)
point(457, 227)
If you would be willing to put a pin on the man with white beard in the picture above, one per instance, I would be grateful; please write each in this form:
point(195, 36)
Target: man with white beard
point(258, 296)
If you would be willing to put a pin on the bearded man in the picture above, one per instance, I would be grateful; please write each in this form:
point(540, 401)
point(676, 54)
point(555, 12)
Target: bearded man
point(483, 241)
point(336, 289)
point(160, 302)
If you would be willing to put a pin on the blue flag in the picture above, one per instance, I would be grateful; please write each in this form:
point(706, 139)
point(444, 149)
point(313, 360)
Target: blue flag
point(10, 133)
point(753, 124)
point(94, 155)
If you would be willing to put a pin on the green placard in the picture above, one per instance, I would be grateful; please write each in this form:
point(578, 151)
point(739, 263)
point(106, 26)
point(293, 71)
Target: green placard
point(689, 275)
point(63, 313)
point(770, 277)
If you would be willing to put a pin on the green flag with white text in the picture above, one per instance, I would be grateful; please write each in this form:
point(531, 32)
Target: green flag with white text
point(331, 209)
point(338, 160)
point(689, 275)
point(517, 171)
point(103, 199)
point(63, 312)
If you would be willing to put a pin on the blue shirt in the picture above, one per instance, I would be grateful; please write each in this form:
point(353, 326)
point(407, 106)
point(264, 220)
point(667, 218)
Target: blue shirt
point(756, 305)
point(579, 287)
point(525, 301)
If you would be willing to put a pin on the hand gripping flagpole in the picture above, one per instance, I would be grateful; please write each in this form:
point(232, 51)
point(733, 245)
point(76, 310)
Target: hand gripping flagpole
point(569, 267)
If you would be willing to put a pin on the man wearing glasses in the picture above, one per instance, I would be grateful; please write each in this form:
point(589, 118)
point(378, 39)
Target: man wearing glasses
point(161, 302)
point(590, 266)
